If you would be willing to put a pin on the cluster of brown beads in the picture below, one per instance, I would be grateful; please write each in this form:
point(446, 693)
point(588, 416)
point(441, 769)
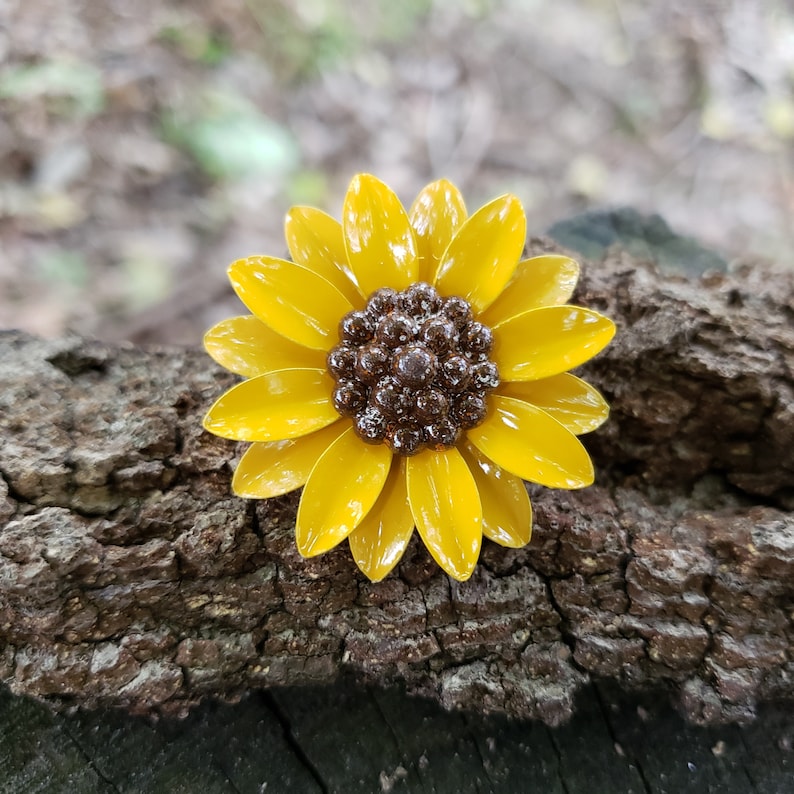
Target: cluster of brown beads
point(412, 369)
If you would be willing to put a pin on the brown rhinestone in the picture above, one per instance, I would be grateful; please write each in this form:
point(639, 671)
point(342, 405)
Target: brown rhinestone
point(372, 362)
point(455, 374)
point(439, 334)
point(442, 435)
point(431, 404)
point(381, 302)
point(457, 310)
point(419, 300)
point(406, 440)
point(484, 376)
point(476, 340)
point(414, 366)
point(356, 328)
point(349, 397)
point(389, 396)
point(395, 330)
point(371, 425)
point(342, 362)
point(469, 410)
point(412, 369)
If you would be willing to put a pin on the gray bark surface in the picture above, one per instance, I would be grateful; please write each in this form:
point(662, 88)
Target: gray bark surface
point(130, 576)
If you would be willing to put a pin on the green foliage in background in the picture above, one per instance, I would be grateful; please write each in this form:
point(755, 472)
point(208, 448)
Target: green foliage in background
point(197, 43)
point(230, 138)
point(71, 87)
point(63, 268)
point(301, 38)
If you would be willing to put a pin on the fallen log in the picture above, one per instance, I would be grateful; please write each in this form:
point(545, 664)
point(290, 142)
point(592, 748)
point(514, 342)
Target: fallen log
point(130, 576)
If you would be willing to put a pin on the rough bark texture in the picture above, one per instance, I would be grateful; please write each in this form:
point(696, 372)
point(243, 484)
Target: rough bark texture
point(130, 576)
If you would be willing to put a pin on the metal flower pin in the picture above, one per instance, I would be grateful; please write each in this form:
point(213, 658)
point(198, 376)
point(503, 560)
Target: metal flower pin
point(408, 370)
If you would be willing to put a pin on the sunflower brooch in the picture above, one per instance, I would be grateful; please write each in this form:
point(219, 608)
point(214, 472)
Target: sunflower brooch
point(408, 370)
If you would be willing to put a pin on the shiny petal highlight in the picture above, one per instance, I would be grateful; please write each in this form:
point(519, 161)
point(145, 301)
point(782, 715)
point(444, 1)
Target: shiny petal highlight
point(436, 215)
point(316, 242)
point(380, 540)
point(294, 301)
point(544, 342)
point(287, 403)
point(447, 510)
point(572, 402)
point(506, 509)
point(381, 248)
point(274, 468)
point(342, 488)
point(482, 256)
point(547, 280)
point(529, 443)
point(248, 347)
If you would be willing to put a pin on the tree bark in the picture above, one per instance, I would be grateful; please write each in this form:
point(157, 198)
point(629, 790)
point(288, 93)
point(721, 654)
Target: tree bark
point(130, 576)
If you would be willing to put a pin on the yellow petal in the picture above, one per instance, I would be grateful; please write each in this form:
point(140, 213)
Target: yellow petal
point(527, 442)
point(342, 488)
point(283, 404)
point(293, 301)
point(246, 346)
point(278, 467)
point(572, 402)
point(379, 541)
point(506, 510)
point(544, 342)
point(446, 509)
point(482, 256)
point(436, 215)
point(316, 242)
point(381, 248)
point(547, 280)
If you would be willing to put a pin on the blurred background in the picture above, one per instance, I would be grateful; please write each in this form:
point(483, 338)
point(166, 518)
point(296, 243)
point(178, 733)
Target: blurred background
point(144, 146)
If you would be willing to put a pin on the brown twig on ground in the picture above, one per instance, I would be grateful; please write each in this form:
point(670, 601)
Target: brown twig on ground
point(129, 575)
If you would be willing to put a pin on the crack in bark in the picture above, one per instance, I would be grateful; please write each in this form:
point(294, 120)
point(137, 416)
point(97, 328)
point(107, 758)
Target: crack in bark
point(90, 762)
point(634, 761)
point(559, 756)
point(485, 763)
point(756, 789)
point(293, 743)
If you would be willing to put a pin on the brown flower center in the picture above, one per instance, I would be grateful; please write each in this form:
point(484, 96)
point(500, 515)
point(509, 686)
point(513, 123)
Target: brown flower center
point(412, 369)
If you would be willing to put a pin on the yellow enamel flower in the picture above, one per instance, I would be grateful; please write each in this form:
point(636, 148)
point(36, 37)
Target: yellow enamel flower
point(408, 369)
